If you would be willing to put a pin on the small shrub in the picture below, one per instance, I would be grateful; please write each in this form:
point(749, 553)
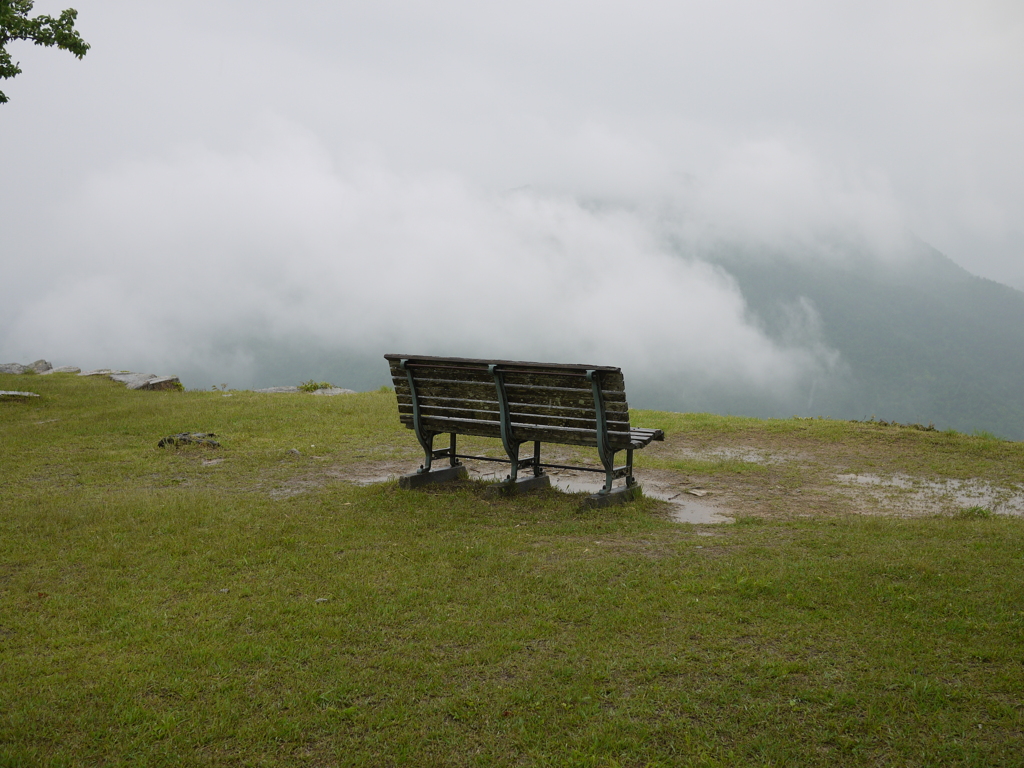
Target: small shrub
point(313, 386)
point(883, 423)
point(984, 434)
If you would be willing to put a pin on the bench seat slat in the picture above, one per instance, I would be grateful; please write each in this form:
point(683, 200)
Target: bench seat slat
point(537, 420)
point(428, 386)
point(576, 380)
point(441, 423)
point(610, 382)
point(528, 390)
point(615, 411)
point(394, 359)
point(524, 418)
point(525, 396)
point(524, 432)
point(569, 412)
point(510, 374)
point(539, 388)
point(639, 437)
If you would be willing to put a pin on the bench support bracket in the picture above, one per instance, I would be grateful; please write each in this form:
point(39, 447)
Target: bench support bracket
point(507, 438)
point(425, 437)
point(603, 448)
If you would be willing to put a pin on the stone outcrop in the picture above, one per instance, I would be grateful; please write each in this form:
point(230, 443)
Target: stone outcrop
point(161, 383)
point(148, 381)
point(39, 366)
point(333, 391)
point(131, 380)
point(12, 395)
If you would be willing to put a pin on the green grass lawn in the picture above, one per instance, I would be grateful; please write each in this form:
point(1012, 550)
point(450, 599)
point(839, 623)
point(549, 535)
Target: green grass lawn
point(245, 605)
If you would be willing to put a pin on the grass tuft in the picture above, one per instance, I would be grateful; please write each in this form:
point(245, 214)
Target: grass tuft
point(313, 386)
point(974, 513)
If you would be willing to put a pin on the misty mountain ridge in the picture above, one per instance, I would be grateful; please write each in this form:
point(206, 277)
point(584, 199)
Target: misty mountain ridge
point(846, 325)
point(913, 339)
point(919, 339)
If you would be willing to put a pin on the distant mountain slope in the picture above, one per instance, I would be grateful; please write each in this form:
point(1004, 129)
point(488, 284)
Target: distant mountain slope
point(925, 341)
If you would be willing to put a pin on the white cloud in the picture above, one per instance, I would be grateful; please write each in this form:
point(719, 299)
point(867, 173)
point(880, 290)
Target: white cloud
point(771, 196)
point(151, 180)
point(178, 254)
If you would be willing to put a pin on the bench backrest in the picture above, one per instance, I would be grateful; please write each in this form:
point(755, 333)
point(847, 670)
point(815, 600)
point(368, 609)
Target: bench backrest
point(546, 402)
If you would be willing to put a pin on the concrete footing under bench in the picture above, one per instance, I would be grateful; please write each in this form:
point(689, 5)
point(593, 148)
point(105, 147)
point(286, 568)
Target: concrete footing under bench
point(615, 496)
point(418, 479)
point(521, 485)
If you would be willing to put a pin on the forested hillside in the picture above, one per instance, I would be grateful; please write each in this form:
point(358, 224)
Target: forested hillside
point(923, 341)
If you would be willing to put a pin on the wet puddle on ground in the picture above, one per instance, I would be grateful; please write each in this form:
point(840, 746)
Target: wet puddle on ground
point(686, 505)
point(931, 496)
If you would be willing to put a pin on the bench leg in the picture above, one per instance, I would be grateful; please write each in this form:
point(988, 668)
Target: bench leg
point(608, 460)
point(612, 472)
point(427, 441)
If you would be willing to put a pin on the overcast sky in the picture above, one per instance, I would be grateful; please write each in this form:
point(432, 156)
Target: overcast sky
point(379, 174)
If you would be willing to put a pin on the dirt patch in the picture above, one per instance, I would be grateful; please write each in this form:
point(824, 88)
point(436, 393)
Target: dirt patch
point(770, 476)
point(910, 496)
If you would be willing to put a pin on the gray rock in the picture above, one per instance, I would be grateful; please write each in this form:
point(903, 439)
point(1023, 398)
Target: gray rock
point(40, 366)
point(148, 381)
point(334, 391)
point(137, 380)
point(12, 368)
point(134, 380)
point(16, 395)
point(62, 369)
point(278, 389)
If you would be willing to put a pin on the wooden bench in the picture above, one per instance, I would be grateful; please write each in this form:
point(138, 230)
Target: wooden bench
point(518, 402)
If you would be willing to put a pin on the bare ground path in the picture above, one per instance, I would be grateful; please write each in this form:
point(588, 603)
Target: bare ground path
point(715, 476)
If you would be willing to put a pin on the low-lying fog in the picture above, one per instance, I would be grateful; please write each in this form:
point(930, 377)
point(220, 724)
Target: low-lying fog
point(284, 193)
